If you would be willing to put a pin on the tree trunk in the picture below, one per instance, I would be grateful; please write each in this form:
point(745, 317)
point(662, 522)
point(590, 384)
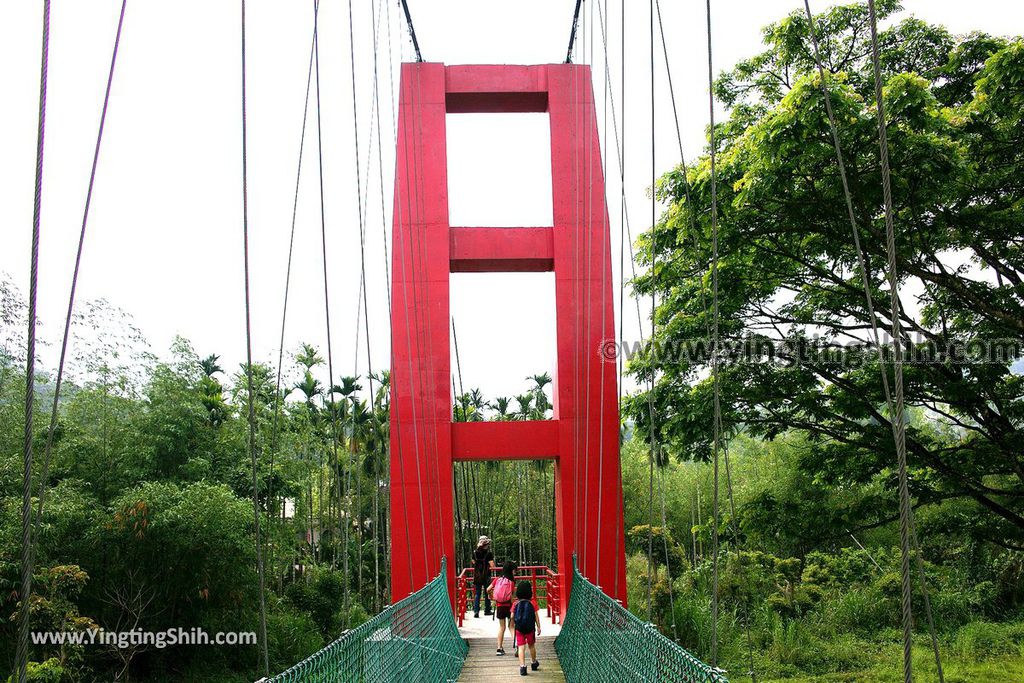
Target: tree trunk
point(376, 536)
point(359, 522)
point(461, 537)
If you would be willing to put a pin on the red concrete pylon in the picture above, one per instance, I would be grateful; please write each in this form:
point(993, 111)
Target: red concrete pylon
point(583, 437)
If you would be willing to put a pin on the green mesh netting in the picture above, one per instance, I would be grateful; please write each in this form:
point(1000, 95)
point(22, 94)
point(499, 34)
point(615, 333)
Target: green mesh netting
point(602, 641)
point(413, 640)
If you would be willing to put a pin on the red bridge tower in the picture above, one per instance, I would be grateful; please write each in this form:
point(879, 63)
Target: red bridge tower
point(583, 436)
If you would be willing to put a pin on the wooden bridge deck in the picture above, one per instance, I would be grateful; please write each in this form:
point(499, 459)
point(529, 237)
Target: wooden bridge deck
point(482, 665)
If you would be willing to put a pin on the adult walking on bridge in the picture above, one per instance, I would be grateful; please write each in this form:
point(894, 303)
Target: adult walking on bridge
point(483, 563)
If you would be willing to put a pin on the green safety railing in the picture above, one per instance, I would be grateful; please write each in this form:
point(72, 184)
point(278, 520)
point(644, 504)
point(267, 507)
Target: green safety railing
point(411, 641)
point(603, 641)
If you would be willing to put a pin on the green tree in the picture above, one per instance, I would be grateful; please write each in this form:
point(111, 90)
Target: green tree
point(212, 391)
point(790, 287)
point(541, 404)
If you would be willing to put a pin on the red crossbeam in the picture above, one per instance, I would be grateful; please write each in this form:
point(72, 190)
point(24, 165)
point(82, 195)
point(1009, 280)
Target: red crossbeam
point(502, 250)
point(528, 440)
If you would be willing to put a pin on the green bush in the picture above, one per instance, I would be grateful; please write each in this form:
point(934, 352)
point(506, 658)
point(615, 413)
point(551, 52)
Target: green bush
point(321, 595)
point(790, 644)
point(864, 610)
point(291, 637)
point(956, 603)
point(357, 615)
point(982, 640)
point(49, 671)
point(693, 621)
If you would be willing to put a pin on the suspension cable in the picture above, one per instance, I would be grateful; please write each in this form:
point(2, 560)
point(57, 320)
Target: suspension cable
point(362, 262)
point(717, 436)
point(626, 240)
point(51, 430)
point(27, 554)
point(589, 129)
point(899, 428)
point(875, 336)
point(605, 262)
point(572, 32)
point(620, 148)
point(654, 308)
point(412, 31)
point(693, 233)
point(248, 368)
point(278, 398)
point(375, 22)
point(575, 316)
point(331, 405)
point(626, 236)
point(362, 194)
point(393, 404)
point(622, 218)
point(380, 155)
point(624, 205)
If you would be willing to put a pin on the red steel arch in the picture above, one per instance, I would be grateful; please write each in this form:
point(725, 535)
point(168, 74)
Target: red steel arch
point(583, 436)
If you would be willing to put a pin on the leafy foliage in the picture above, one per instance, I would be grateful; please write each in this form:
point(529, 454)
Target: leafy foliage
point(794, 319)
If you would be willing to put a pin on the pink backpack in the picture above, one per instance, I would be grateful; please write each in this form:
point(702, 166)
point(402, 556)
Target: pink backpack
point(503, 589)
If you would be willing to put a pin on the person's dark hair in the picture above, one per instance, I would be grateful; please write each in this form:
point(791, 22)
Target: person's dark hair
point(508, 570)
point(524, 591)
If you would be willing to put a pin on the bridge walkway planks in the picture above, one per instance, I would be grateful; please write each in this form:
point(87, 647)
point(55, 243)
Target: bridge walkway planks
point(483, 666)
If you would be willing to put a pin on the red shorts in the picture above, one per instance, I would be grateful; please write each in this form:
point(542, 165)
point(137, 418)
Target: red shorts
point(525, 638)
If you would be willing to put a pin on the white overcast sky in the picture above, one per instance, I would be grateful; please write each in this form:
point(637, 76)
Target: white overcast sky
point(164, 238)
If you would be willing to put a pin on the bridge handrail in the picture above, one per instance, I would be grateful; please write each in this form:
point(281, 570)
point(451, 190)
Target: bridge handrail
point(603, 641)
point(539, 575)
point(413, 640)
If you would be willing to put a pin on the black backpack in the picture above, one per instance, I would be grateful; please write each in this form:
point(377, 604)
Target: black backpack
point(481, 568)
point(525, 617)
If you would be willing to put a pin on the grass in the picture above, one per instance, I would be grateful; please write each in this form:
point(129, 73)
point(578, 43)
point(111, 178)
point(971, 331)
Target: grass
point(884, 665)
point(1002, 670)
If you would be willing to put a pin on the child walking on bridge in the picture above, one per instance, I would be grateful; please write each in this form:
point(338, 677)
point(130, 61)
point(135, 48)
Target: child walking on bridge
point(527, 626)
point(501, 590)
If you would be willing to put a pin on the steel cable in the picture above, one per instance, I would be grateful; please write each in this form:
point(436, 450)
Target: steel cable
point(605, 262)
point(44, 475)
point(899, 428)
point(27, 554)
point(392, 404)
point(278, 398)
point(331, 405)
point(248, 367)
point(717, 406)
point(871, 312)
point(654, 308)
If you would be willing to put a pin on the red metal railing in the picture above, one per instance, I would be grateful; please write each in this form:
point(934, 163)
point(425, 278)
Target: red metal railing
point(546, 589)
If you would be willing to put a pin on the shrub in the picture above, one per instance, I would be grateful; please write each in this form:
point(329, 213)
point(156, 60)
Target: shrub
point(49, 671)
point(291, 637)
point(322, 597)
point(981, 640)
point(357, 616)
point(790, 643)
point(864, 610)
point(693, 621)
